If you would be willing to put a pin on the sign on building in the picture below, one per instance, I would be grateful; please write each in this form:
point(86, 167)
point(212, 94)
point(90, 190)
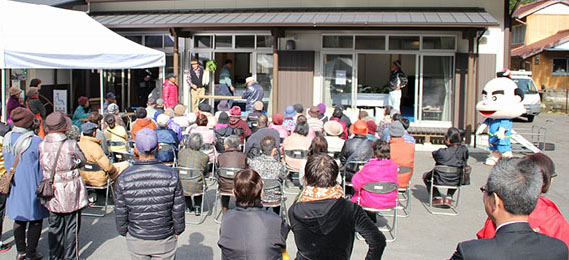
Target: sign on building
point(60, 100)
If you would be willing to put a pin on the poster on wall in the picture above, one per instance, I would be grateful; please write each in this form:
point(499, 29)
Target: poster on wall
point(60, 100)
point(340, 77)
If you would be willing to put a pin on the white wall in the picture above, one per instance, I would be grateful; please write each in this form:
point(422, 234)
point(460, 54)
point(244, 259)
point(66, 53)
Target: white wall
point(555, 9)
point(47, 76)
point(493, 43)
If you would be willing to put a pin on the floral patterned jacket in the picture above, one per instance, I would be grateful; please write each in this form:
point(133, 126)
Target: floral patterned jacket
point(269, 168)
point(69, 190)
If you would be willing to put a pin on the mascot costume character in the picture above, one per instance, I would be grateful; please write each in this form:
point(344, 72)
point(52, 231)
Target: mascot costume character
point(501, 102)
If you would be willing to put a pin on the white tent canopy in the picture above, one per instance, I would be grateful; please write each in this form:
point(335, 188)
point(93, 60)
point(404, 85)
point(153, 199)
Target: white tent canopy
point(40, 36)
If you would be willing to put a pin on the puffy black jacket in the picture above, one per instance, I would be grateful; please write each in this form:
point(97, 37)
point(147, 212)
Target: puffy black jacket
point(149, 201)
point(325, 229)
point(363, 153)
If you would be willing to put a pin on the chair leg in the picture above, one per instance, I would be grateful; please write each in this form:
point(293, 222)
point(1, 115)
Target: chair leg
point(217, 211)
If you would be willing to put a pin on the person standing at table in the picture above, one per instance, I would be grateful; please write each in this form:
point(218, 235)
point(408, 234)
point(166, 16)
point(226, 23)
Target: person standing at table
point(170, 91)
point(397, 81)
point(194, 79)
point(225, 86)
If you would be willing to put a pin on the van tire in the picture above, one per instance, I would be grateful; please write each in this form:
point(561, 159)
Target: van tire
point(530, 118)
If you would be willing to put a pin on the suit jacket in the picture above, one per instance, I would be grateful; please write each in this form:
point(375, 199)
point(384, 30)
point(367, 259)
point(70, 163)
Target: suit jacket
point(513, 241)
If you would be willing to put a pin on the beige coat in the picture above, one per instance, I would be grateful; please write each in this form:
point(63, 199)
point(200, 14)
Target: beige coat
point(91, 148)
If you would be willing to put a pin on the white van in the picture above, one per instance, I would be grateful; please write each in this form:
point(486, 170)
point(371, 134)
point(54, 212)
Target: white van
point(532, 100)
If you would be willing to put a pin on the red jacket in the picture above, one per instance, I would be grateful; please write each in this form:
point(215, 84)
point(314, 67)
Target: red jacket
point(170, 94)
point(545, 219)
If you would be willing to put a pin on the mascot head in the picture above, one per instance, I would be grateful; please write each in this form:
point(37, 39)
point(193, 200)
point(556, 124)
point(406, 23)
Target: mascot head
point(501, 98)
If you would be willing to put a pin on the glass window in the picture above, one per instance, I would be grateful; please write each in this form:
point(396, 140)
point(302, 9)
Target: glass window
point(265, 78)
point(370, 42)
point(223, 41)
point(518, 34)
point(264, 41)
point(346, 41)
point(438, 43)
point(168, 41)
point(437, 88)
point(526, 85)
point(153, 41)
point(559, 66)
point(134, 38)
point(403, 42)
point(244, 41)
point(203, 41)
point(338, 79)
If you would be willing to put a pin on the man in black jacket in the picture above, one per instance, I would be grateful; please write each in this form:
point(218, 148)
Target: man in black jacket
point(357, 148)
point(149, 203)
point(324, 223)
point(510, 195)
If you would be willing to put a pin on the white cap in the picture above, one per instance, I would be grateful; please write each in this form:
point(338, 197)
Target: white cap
point(249, 79)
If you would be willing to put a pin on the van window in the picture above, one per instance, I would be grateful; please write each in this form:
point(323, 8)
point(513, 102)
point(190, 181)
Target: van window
point(526, 85)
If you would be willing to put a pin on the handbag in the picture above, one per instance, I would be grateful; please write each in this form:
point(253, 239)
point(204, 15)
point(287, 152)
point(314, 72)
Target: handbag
point(465, 175)
point(45, 188)
point(6, 178)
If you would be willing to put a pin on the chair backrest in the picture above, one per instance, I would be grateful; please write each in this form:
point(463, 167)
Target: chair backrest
point(187, 173)
point(119, 157)
point(296, 154)
point(228, 173)
point(355, 165)
point(115, 143)
point(163, 147)
point(403, 170)
point(447, 169)
point(91, 167)
point(271, 184)
point(380, 187)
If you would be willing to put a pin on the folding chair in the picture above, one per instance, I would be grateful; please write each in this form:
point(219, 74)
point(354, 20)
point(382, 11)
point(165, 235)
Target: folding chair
point(93, 167)
point(453, 208)
point(163, 147)
point(356, 165)
point(121, 157)
point(269, 185)
point(228, 174)
point(404, 192)
point(292, 174)
point(190, 179)
point(383, 188)
point(130, 146)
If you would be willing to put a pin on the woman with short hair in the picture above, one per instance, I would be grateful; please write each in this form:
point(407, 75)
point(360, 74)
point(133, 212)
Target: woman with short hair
point(208, 137)
point(249, 231)
point(298, 140)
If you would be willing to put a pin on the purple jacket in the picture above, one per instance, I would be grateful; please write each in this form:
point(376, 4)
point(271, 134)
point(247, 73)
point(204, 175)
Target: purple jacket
point(375, 171)
point(13, 103)
point(69, 190)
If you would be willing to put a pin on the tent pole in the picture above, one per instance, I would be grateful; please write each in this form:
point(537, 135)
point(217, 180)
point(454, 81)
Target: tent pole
point(101, 88)
point(70, 96)
point(122, 89)
point(4, 95)
point(128, 88)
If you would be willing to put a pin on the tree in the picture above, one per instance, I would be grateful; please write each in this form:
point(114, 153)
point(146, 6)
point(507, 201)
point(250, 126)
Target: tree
point(522, 2)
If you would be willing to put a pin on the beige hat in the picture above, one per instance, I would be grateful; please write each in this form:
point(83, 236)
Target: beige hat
point(249, 79)
point(333, 128)
point(179, 110)
point(14, 90)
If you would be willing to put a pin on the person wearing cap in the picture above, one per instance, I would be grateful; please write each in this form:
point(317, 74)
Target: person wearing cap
point(194, 80)
point(149, 203)
point(34, 104)
point(22, 204)
point(254, 115)
point(159, 108)
point(397, 81)
point(115, 134)
point(371, 130)
point(226, 88)
point(289, 119)
point(166, 136)
point(333, 130)
point(141, 122)
point(237, 126)
point(151, 108)
point(113, 109)
point(402, 153)
point(81, 112)
point(180, 116)
point(357, 148)
point(170, 91)
point(173, 125)
point(337, 116)
point(322, 110)
point(96, 118)
point(14, 101)
point(222, 107)
point(205, 108)
point(70, 193)
point(110, 98)
point(253, 93)
point(91, 148)
point(277, 124)
point(313, 121)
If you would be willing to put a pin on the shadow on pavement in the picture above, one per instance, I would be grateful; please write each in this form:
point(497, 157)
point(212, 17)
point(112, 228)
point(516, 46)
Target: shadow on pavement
point(195, 250)
point(420, 193)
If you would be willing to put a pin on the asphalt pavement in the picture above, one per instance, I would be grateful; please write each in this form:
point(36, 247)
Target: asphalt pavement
point(420, 236)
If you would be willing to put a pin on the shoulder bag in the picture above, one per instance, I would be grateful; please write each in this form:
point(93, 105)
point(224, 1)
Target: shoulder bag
point(45, 188)
point(6, 178)
point(464, 173)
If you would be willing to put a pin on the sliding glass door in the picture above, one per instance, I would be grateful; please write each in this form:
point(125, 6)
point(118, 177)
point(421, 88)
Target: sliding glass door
point(437, 92)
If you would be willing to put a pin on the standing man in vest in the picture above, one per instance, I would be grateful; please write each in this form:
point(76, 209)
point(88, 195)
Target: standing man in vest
point(397, 81)
point(194, 79)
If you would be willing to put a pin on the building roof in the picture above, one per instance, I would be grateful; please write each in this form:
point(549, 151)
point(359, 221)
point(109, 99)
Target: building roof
point(531, 8)
point(289, 18)
point(549, 43)
point(47, 2)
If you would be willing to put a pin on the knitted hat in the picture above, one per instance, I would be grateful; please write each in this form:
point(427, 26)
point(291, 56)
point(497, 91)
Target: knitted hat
point(57, 122)
point(396, 129)
point(278, 119)
point(32, 91)
point(82, 100)
point(314, 111)
point(113, 108)
point(359, 128)
point(235, 111)
point(14, 91)
point(88, 128)
point(179, 110)
point(290, 112)
point(333, 128)
point(258, 106)
point(204, 107)
point(22, 117)
point(371, 127)
point(322, 108)
point(223, 106)
point(162, 120)
point(146, 140)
